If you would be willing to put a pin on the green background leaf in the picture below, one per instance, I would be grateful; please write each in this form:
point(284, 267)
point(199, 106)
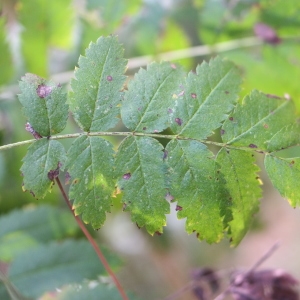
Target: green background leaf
point(97, 85)
point(42, 156)
point(285, 176)
point(44, 104)
point(50, 266)
point(150, 97)
point(139, 162)
point(254, 122)
point(90, 164)
point(242, 182)
point(209, 95)
point(194, 185)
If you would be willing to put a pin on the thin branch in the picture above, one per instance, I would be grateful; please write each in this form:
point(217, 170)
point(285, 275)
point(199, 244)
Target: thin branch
point(9, 93)
point(261, 260)
point(154, 135)
point(93, 243)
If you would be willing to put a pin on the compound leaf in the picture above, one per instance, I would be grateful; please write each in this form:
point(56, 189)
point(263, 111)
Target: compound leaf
point(41, 165)
point(242, 182)
point(44, 104)
point(285, 176)
point(150, 97)
point(256, 120)
point(286, 137)
point(90, 165)
point(97, 85)
point(194, 185)
point(209, 95)
point(139, 163)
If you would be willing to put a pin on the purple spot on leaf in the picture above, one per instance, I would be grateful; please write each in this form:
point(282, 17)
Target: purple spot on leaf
point(158, 233)
point(222, 131)
point(52, 174)
point(109, 78)
point(43, 90)
point(170, 110)
point(126, 176)
point(226, 92)
point(181, 94)
point(165, 154)
point(67, 178)
point(178, 208)
point(252, 146)
point(231, 118)
point(193, 95)
point(178, 121)
point(30, 129)
point(144, 128)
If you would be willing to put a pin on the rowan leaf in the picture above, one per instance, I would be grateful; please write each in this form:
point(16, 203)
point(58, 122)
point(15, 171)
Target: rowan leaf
point(207, 98)
point(42, 163)
point(90, 165)
point(140, 167)
point(286, 137)
point(195, 186)
point(285, 176)
point(44, 104)
point(150, 97)
point(97, 86)
point(242, 182)
point(256, 120)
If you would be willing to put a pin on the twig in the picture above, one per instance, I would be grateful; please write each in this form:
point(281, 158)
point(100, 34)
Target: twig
point(244, 276)
point(93, 243)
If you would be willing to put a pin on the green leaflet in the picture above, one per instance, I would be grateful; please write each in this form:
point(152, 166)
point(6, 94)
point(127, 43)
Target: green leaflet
point(44, 104)
point(256, 120)
point(150, 97)
point(209, 95)
point(54, 265)
point(242, 182)
point(90, 165)
point(196, 188)
point(286, 137)
point(285, 176)
point(97, 88)
point(41, 165)
point(139, 162)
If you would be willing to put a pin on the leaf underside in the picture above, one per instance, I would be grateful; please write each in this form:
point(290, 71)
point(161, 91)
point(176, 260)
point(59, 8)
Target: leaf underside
point(44, 104)
point(90, 165)
point(42, 157)
point(141, 173)
point(96, 90)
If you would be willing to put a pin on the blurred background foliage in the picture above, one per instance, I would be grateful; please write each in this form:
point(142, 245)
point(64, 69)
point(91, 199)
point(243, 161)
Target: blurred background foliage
point(47, 37)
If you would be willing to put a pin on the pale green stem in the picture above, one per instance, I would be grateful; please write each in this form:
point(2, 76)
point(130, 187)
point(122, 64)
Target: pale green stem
point(153, 135)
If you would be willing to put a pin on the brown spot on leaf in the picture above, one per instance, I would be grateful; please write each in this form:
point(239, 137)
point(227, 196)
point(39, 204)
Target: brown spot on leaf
point(231, 118)
point(178, 121)
point(226, 92)
point(144, 128)
point(252, 146)
point(158, 233)
point(126, 176)
point(266, 126)
point(43, 90)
